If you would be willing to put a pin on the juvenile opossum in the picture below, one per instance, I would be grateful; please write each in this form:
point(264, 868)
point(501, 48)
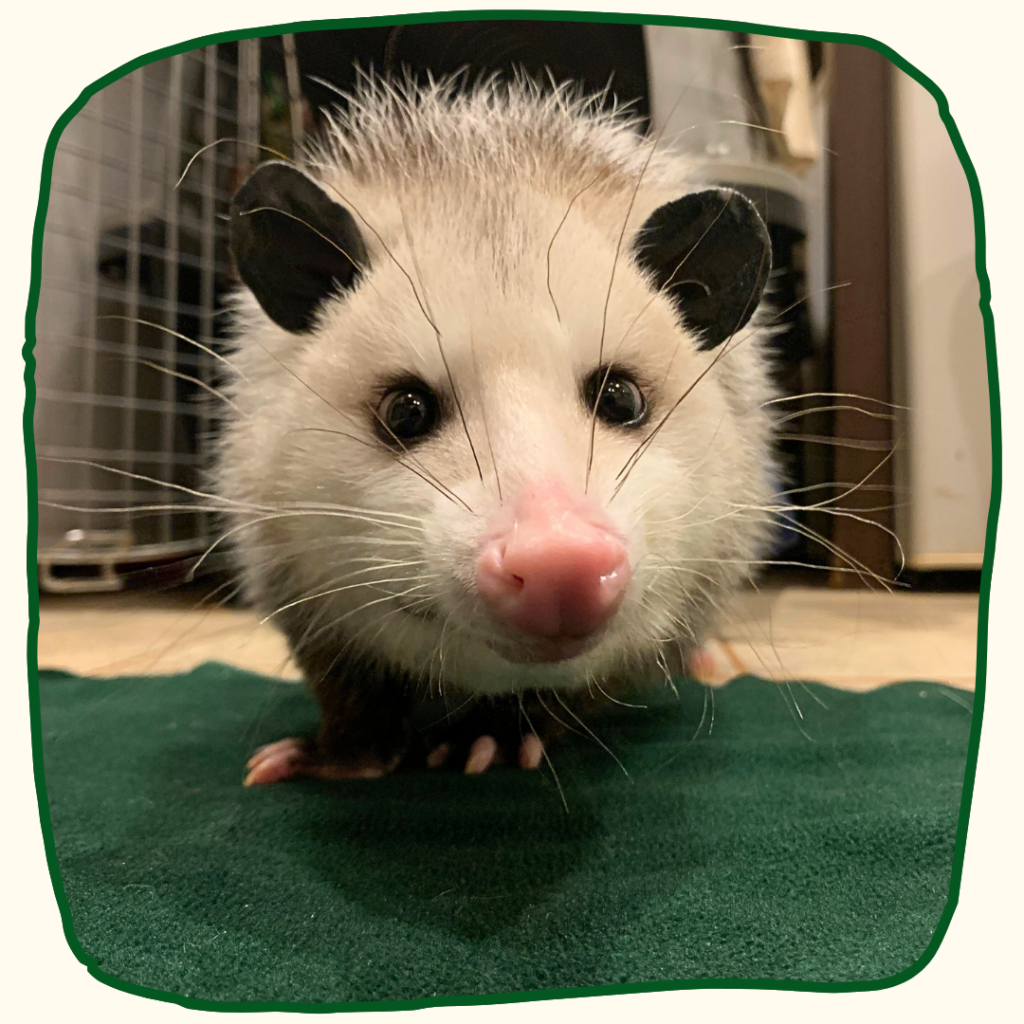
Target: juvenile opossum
point(500, 430)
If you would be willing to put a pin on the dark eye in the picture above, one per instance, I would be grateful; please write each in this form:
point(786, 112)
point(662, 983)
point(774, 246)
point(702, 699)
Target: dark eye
point(621, 402)
point(407, 413)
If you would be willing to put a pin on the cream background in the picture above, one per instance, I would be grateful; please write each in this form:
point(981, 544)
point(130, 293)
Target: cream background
point(973, 55)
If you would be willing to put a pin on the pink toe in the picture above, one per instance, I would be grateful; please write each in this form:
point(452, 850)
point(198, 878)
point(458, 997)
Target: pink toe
point(701, 665)
point(290, 746)
point(531, 750)
point(274, 762)
point(272, 769)
point(481, 755)
point(439, 755)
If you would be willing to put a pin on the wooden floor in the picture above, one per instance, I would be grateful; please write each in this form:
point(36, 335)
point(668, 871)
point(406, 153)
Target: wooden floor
point(850, 639)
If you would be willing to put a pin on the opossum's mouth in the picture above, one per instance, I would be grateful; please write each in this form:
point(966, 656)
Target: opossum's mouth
point(541, 650)
point(519, 651)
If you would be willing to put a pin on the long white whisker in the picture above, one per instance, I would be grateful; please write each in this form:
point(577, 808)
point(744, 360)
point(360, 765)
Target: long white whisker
point(217, 142)
point(334, 623)
point(833, 408)
point(608, 696)
point(364, 584)
point(839, 442)
point(544, 752)
point(193, 380)
point(183, 337)
point(832, 394)
point(593, 735)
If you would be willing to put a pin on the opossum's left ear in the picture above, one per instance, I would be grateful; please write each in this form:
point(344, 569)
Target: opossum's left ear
point(710, 251)
point(293, 244)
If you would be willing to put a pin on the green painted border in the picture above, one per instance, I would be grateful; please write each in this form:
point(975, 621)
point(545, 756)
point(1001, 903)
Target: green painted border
point(33, 514)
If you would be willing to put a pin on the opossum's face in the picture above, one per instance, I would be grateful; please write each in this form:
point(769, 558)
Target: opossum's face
point(515, 469)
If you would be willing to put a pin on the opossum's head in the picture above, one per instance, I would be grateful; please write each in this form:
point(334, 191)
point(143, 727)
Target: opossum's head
point(514, 446)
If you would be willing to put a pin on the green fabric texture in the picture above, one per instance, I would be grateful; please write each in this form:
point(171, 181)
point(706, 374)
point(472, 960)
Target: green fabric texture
point(808, 840)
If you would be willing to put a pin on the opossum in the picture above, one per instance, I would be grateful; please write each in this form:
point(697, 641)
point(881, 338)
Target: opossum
point(500, 428)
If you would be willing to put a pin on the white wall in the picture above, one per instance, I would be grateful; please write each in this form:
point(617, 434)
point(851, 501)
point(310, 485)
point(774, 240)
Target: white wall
point(945, 468)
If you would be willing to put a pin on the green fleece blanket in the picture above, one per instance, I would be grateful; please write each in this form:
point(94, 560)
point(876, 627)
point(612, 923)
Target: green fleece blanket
point(785, 834)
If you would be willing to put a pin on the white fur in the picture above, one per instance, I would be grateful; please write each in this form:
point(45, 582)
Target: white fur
point(467, 195)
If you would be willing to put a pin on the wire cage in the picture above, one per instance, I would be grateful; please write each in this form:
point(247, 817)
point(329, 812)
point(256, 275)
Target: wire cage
point(133, 264)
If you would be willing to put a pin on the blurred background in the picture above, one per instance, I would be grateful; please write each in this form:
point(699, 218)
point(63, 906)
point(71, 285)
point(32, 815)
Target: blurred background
point(872, 227)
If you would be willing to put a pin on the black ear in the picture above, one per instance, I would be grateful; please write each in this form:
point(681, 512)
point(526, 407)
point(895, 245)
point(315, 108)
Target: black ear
point(293, 245)
point(710, 251)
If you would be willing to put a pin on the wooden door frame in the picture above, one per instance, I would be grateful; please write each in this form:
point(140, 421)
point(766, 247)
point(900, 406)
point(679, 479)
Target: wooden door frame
point(861, 336)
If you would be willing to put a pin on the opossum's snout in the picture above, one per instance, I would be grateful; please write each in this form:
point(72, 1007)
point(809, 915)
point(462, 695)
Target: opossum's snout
point(553, 573)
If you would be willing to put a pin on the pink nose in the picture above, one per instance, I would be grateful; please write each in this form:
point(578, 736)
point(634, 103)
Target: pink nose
point(557, 573)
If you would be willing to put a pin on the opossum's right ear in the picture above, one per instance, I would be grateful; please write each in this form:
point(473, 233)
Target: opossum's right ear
point(294, 246)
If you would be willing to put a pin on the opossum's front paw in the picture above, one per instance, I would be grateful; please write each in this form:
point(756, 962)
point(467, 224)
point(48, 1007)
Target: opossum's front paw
point(293, 757)
point(485, 751)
